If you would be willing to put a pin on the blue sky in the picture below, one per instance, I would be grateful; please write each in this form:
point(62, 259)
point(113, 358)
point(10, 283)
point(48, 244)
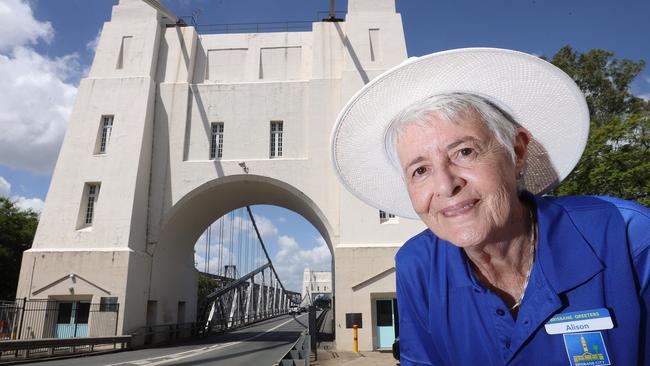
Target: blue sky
point(46, 47)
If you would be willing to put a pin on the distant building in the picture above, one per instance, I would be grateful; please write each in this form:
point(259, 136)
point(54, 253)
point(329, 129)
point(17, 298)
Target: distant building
point(315, 284)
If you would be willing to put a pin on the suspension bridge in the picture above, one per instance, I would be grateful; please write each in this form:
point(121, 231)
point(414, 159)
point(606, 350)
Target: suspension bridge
point(245, 286)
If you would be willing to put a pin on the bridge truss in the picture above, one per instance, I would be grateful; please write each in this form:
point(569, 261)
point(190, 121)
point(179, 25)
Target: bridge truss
point(239, 299)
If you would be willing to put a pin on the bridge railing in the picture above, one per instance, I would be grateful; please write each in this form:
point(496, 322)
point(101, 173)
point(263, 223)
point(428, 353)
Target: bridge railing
point(170, 333)
point(299, 353)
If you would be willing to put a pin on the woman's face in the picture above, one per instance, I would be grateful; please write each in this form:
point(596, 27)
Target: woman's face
point(461, 181)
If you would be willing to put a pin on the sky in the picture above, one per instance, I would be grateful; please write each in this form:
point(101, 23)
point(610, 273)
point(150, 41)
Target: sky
point(47, 47)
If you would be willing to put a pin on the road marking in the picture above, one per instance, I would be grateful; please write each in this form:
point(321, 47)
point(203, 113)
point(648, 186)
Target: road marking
point(160, 360)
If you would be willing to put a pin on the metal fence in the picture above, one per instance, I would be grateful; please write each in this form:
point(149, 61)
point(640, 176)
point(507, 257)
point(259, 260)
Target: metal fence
point(36, 319)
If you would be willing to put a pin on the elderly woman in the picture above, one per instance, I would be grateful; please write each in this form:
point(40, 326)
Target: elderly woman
point(468, 141)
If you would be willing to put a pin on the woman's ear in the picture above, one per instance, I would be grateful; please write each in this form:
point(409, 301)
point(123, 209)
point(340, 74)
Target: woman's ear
point(522, 139)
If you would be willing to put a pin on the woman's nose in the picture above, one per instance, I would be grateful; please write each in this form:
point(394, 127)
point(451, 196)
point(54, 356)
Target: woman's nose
point(447, 183)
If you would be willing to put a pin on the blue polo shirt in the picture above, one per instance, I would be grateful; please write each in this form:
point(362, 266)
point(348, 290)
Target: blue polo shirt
point(592, 254)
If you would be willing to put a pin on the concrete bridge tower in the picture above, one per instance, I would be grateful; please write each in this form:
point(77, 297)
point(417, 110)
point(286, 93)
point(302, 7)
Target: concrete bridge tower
point(171, 130)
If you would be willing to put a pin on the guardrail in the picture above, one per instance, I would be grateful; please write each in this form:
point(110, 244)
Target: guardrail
point(19, 349)
point(299, 353)
point(170, 333)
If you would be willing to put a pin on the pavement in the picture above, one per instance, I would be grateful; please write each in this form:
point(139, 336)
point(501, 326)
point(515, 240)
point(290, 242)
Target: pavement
point(329, 356)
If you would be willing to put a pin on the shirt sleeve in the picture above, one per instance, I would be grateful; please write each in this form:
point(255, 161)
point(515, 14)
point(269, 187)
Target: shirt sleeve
point(637, 219)
point(642, 269)
point(416, 346)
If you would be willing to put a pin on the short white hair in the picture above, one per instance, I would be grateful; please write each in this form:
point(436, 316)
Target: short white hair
point(451, 107)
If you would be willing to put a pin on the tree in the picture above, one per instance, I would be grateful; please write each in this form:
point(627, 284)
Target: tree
point(615, 161)
point(206, 286)
point(17, 228)
point(323, 302)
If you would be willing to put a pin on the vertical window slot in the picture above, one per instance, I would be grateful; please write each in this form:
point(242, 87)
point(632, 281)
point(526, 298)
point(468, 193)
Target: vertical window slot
point(105, 133)
point(93, 192)
point(88, 207)
point(216, 140)
point(276, 139)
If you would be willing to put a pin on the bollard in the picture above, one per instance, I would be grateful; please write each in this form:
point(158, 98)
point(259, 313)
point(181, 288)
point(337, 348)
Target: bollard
point(356, 339)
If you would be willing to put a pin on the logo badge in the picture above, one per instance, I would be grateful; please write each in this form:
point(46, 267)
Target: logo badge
point(586, 349)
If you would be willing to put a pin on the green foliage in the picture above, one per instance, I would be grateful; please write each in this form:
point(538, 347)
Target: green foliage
point(17, 230)
point(206, 286)
point(323, 302)
point(615, 161)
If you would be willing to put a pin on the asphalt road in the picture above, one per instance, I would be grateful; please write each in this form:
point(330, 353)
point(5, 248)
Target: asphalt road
point(260, 344)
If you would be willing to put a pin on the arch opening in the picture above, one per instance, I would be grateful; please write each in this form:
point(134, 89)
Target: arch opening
point(173, 273)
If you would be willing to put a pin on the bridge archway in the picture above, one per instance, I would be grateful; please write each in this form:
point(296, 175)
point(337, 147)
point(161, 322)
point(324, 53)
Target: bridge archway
point(173, 275)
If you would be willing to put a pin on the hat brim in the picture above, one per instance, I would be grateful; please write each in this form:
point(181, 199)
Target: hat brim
point(538, 95)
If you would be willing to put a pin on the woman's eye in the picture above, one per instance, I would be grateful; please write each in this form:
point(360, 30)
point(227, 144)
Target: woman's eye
point(419, 171)
point(466, 151)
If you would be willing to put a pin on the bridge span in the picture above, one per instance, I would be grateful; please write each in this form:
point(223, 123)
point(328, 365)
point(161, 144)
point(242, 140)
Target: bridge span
point(263, 343)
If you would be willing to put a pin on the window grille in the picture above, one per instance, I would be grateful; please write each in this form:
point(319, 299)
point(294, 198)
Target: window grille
point(276, 139)
point(93, 192)
point(107, 128)
point(216, 142)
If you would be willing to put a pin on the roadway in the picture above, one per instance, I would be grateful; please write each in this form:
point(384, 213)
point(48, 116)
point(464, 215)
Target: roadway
point(263, 343)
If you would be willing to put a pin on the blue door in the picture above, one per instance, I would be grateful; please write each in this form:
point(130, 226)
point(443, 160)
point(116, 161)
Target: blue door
point(386, 326)
point(72, 319)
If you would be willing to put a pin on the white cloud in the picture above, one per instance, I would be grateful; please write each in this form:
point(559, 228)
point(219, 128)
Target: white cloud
point(266, 227)
point(92, 44)
point(35, 111)
point(645, 96)
point(18, 26)
point(23, 203)
point(5, 187)
point(292, 259)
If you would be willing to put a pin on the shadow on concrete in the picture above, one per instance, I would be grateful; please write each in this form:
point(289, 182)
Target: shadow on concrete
point(353, 54)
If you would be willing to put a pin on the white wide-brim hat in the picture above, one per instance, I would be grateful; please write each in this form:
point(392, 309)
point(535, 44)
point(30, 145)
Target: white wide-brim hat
point(538, 95)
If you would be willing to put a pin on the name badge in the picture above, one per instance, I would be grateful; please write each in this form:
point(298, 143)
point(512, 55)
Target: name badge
point(579, 321)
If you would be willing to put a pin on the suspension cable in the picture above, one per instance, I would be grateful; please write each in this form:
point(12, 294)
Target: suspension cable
point(220, 246)
point(209, 242)
point(266, 253)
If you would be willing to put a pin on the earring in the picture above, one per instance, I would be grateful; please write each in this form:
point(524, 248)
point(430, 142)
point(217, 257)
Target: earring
point(520, 174)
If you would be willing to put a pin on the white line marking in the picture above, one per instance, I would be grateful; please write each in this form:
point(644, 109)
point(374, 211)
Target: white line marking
point(191, 353)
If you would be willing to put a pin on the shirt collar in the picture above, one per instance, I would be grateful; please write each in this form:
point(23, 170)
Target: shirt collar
point(565, 257)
